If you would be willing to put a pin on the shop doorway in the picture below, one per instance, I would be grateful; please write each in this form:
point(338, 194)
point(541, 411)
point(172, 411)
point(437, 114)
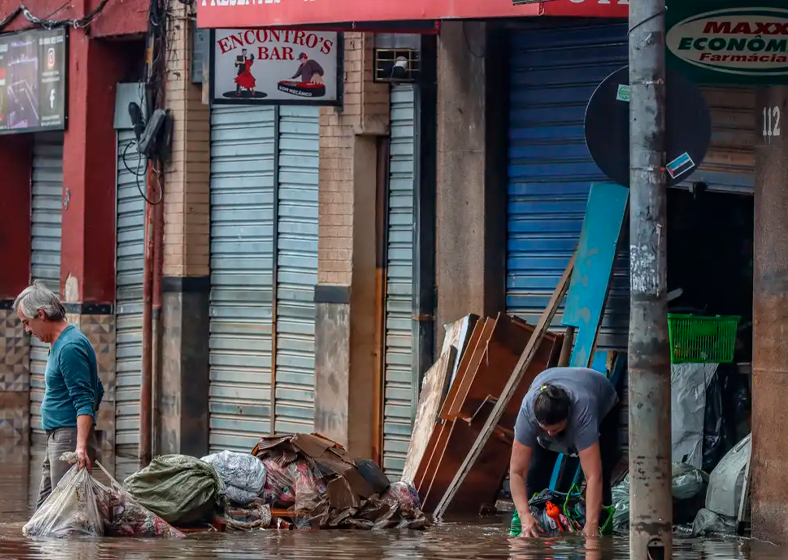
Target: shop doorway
point(710, 258)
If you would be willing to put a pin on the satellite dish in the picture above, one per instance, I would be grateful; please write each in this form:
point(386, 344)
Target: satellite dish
point(687, 127)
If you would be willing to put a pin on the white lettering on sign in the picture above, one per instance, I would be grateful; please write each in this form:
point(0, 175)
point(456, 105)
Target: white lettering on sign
point(771, 122)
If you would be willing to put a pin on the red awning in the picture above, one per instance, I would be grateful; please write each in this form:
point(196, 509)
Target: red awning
point(280, 13)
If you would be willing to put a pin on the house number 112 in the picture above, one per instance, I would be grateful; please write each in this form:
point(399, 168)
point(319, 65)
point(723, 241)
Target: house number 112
point(771, 121)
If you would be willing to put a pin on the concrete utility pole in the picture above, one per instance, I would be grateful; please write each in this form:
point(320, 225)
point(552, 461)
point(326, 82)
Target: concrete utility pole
point(651, 513)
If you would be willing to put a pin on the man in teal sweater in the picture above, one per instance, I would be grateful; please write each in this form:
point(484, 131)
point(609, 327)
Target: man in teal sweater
point(73, 387)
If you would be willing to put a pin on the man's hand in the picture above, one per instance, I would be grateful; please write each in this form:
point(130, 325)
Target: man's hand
point(83, 461)
point(530, 526)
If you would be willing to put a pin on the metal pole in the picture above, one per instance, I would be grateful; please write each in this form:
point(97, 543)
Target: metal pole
point(650, 533)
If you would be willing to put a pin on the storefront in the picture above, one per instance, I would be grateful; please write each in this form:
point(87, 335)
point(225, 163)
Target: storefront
point(555, 69)
point(264, 163)
point(555, 66)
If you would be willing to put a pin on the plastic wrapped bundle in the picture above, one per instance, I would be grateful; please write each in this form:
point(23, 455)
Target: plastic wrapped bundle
point(278, 485)
point(406, 496)
point(73, 508)
point(243, 475)
point(307, 486)
point(82, 506)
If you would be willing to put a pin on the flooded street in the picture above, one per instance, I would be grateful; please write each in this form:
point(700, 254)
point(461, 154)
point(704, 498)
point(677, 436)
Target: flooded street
point(449, 541)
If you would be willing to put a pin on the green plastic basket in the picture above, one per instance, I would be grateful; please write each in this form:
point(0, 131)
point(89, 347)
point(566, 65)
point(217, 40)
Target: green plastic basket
point(702, 340)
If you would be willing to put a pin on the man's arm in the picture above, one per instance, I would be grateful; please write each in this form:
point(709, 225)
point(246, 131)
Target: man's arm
point(591, 461)
point(84, 425)
point(75, 366)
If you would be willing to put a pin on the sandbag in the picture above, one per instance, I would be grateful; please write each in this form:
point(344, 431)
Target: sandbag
point(243, 475)
point(180, 489)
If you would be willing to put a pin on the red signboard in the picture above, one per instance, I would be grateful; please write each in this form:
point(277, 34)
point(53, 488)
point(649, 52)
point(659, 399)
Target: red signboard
point(587, 8)
point(279, 13)
point(273, 13)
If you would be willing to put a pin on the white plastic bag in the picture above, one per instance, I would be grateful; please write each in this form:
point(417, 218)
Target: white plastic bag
point(243, 475)
point(73, 508)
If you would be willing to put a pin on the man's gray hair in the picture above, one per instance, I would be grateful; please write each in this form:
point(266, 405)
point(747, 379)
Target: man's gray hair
point(38, 297)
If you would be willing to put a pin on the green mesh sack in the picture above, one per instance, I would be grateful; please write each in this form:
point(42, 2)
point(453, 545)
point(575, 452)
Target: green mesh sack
point(179, 489)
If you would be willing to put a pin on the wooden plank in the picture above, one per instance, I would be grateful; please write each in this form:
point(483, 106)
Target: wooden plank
point(429, 453)
point(429, 405)
point(461, 335)
point(465, 365)
point(435, 459)
point(511, 387)
point(479, 353)
point(595, 259)
point(507, 342)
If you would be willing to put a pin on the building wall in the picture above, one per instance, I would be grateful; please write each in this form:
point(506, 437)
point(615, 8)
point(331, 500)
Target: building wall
point(345, 296)
point(129, 17)
point(87, 271)
point(183, 393)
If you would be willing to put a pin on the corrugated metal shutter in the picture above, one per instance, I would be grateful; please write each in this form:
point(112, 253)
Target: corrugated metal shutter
point(296, 255)
point(398, 391)
point(242, 228)
point(554, 73)
point(47, 202)
point(130, 256)
point(555, 70)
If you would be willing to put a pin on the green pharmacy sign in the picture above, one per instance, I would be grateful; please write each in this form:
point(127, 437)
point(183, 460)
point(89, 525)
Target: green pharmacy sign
point(731, 44)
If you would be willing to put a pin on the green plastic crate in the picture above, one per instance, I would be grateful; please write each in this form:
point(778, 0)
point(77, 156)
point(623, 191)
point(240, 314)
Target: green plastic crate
point(702, 340)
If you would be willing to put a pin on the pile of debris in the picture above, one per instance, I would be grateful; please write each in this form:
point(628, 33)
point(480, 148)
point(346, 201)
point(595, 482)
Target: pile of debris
point(300, 481)
point(324, 487)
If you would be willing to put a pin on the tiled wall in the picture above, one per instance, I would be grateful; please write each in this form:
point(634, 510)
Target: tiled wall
point(14, 378)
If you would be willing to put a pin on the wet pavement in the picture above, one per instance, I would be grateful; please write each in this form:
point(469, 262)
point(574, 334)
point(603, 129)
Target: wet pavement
point(450, 541)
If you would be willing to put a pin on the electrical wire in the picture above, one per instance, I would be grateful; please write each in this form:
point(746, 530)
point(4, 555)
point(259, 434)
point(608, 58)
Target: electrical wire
point(142, 171)
point(47, 23)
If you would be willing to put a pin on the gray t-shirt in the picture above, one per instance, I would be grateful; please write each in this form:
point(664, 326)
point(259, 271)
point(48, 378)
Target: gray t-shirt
point(592, 397)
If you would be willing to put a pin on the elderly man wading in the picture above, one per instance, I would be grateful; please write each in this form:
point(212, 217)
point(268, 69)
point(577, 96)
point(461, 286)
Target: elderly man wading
point(73, 387)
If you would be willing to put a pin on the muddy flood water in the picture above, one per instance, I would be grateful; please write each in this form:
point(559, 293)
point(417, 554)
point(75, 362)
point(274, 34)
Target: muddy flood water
point(449, 541)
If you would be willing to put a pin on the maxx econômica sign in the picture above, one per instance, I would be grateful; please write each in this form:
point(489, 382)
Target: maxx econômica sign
point(727, 43)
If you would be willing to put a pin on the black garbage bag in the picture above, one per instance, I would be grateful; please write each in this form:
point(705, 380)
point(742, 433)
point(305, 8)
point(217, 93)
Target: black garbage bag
point(727, 415)
point(713, 425)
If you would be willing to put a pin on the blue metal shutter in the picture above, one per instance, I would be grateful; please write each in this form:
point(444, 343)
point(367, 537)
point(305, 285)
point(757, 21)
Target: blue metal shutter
point(554, 71)
point(129, 272)
point(296, 259)
point(242, 228)
point(398, 390)
point(47, 204)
